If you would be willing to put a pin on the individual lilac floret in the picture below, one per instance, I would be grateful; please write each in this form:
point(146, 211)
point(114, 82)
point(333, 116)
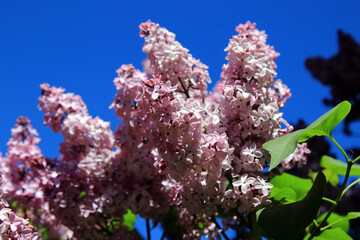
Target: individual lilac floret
point(263, 186)
point(245, 182)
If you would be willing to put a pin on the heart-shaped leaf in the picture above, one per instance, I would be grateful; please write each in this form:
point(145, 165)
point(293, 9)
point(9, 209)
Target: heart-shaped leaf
point(338, 167)
point(333, 234)
point(327, 122)
point(334, 217)
point(300, 186)
point(331, 177)
point(353, 215)
point(287, 194)
point(282, 147)
point(289, 221)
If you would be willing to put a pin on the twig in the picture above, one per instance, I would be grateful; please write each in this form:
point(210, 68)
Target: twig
point(218, 227)
point(163, 235)
point(348, 187)
point(185, 90)
point(356, 159)
point(329, 200)
point(148, 229)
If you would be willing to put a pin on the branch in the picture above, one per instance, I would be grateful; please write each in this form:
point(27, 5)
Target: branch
point(218, 227)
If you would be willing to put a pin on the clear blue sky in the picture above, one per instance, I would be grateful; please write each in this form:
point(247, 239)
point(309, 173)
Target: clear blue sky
point(79, 44)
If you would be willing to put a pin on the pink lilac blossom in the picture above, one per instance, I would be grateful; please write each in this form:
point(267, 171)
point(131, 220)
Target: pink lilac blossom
point(172, 62)
point(87, 191)
point(28, 177)
point(249, 100)
point(197, 136)
point(11, 225)
point(137, 160)
point(176, 147)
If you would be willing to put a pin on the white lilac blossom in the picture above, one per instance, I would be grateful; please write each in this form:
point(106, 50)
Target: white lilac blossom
point(177, 146)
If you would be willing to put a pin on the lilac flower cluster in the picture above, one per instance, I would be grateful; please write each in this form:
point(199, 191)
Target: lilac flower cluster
point(177, 146)
point(11, 225)
point(29, 177)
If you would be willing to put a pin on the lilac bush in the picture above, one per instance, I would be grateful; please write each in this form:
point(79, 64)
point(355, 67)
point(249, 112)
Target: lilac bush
point(179, 151)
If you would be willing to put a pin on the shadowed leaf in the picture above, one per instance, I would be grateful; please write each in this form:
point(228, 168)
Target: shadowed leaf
point(289, 221)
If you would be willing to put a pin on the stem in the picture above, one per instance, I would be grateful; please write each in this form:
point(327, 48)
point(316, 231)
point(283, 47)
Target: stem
point(163, 235)
point(329, 200)
point(185, 90)
point(316, 224)
point(148, 229)
point(137, 234)
point(333, 223)
point(218, 227)
point(338, 198)
point(356, 159)
point(342, 150)
point(348, 187)
point(25, 213)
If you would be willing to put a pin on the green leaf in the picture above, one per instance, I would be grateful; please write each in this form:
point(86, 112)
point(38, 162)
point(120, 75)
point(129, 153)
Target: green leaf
point(200, 225)
point(338, 167)
point(14, 204)
point(82, 194)
point(327, 122)
point(285, 181)
point(44, 233)
point(331, 177)
point(282, 147)
point(334, 217)
point(129, 220)
point(289, 221)
point(353, 215)
point(115, 223)
point(287, 194)
point(333, 234)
